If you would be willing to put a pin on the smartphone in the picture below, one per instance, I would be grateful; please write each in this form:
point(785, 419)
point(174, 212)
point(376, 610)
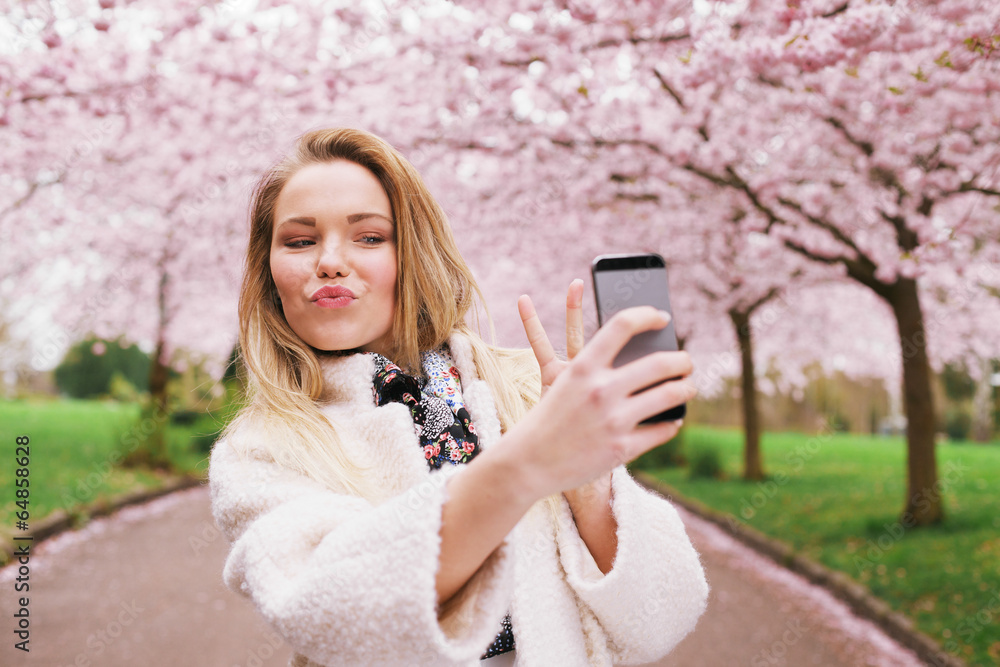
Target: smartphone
point(623, 281)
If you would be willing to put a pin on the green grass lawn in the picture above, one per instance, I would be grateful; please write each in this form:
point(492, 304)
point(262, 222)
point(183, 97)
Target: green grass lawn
point(73, 446)
point(837, 499)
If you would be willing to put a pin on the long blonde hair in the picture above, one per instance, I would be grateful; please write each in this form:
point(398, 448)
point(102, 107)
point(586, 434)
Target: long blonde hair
point(435, 290)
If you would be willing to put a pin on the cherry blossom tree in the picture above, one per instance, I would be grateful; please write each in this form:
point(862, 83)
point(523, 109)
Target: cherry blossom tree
point(863, 135)
point(858, 136)
point(888, 168)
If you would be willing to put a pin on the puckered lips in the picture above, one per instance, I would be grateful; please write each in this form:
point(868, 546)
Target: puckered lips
point(333, 296)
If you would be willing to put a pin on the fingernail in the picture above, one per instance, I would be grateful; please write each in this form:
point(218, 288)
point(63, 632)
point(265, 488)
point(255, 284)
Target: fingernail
point(665, 315)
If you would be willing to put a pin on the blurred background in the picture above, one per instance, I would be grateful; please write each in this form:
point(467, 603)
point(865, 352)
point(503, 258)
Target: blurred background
point(821, 177)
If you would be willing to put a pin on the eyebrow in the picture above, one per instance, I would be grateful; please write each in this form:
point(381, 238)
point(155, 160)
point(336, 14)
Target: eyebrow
point(351, 219)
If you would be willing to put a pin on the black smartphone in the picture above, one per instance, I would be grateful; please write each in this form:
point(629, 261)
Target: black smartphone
point(623, 281)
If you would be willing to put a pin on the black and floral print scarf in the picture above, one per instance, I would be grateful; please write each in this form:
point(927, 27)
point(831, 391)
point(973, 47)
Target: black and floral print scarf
point(443, 425)
point(440, 418)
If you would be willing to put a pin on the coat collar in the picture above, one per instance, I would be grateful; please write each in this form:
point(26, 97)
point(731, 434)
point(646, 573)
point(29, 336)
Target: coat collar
point(348, 382)
point(348, 378)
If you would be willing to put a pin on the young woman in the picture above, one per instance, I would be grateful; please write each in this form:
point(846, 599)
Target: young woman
point(397, 491)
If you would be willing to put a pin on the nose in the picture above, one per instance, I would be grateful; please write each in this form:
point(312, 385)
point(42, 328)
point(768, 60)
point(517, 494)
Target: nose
point(332, 261)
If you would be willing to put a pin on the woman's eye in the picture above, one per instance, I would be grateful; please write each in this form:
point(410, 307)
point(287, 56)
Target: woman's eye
point(298, 243)
point(372, 239)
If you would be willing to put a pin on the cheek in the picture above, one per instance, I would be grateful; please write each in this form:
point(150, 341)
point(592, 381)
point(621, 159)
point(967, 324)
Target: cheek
point(284, 274)
point(389, 280)
point(378, 271)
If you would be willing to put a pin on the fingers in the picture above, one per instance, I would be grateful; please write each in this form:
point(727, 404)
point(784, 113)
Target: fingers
point(644, 438)
point(653, 369)
point(574, 318)
point(612, 337)
point(654, 383)
point(537, 337)
point(662, 397)
point(654, 435)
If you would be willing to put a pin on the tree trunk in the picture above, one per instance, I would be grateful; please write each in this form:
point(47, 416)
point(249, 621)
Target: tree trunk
point(153, 452)
point(159, 373)
point(923, 495)
point(982, 404)
point(753, 468)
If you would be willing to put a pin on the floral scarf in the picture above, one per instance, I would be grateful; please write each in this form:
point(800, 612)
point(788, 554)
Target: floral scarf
point(440, 418)
point(442, 423)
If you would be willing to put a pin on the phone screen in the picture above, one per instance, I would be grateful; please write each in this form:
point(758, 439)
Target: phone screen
point(624, 281)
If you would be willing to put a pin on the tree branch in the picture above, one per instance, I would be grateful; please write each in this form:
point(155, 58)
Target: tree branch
point(864, 146)
point(659, 39)
point(829, 227)
point(712, 296)
point(969, 187)
point(522, 63)
point(837, 10)
point(906, 238)
point(855, 269)
point(771, 293)
point(601, 143)
point(100, 91)
point(861, 267)
point(643, 197)
point(666, 86)
point(32, 189)
point(715, 179)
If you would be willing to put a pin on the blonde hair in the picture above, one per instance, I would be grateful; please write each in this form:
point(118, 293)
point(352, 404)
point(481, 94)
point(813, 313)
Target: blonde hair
point(435, 290)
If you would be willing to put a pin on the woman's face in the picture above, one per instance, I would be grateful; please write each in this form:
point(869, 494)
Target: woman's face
point(333, 257)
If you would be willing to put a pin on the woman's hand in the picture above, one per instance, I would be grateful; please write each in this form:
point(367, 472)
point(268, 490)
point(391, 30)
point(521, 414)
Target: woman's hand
point(587, 421)
point(584, 426)
point(551, 365)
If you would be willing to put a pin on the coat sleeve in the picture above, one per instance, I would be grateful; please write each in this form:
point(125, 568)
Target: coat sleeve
point(345, 581)
point(656, 589)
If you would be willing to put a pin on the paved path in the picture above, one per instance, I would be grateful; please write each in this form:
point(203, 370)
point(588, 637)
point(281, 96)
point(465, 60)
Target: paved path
point(143, 588)
point(762, 615)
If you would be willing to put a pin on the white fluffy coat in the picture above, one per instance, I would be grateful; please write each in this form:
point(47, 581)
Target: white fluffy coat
point(348, 582)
